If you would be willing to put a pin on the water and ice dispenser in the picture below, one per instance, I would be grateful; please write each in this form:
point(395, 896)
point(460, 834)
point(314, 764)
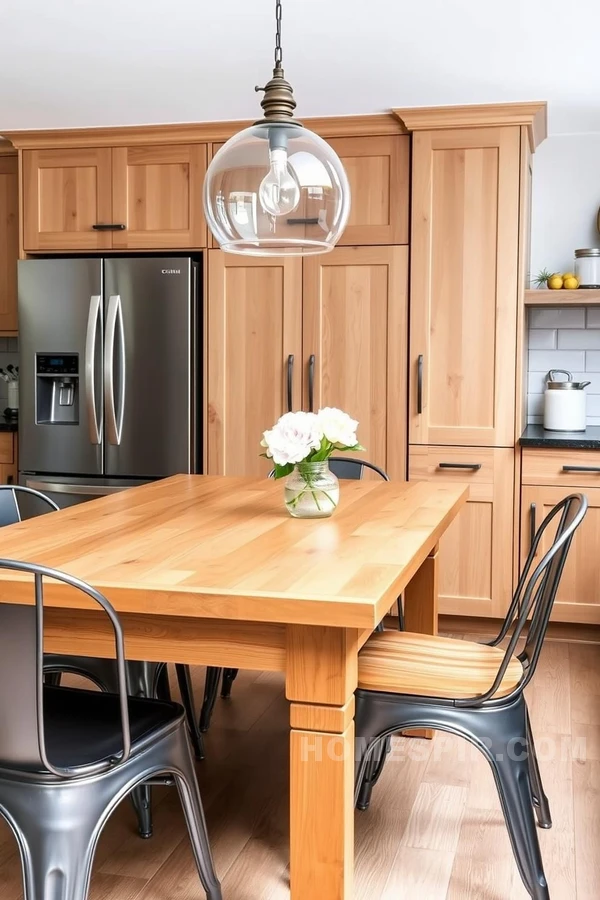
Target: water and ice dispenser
point(57, 389)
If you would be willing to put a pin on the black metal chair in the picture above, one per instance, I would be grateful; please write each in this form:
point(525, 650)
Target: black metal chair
point(345, 468)
point(474, 691)
point(143, 679)
point(69, 756)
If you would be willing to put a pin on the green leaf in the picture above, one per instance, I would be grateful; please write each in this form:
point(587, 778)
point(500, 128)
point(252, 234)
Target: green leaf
point(282, 471)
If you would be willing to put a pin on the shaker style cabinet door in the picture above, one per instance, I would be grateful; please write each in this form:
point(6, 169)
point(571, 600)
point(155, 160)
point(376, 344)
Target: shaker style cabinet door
point(464, 265)
point(378, 169)
point(157, 195)
point(9, 242)
point(66, 196)
point(254, 360)
point(475, 555)
point(355, 321)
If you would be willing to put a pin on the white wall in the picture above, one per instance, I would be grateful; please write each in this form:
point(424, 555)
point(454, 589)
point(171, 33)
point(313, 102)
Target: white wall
point(566, 198)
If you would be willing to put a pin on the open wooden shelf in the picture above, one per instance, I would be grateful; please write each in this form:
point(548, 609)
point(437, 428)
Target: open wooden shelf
point(546, 297)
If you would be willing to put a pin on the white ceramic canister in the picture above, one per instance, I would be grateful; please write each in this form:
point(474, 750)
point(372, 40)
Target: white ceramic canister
point(564, 403)
point(587, 267)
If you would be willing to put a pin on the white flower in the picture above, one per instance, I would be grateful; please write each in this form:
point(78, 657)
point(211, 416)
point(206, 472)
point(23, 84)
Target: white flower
point(293, 437)
point(338, 427)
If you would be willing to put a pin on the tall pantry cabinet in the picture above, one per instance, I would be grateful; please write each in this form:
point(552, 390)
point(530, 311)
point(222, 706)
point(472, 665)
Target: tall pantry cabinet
point(329, 330)
point(468, 192)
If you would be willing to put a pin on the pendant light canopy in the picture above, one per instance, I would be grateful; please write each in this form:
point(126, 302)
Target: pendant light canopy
point(276, 188)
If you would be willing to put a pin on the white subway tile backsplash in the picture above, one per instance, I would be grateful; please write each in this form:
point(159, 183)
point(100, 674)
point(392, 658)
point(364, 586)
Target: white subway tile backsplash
point(593, 405)
point(542, 339)
point(544, 360)
point(593, 317)
point(579, 339)
point(592, 361)
point(557, 318)
point(536, 382)
point(535, 405)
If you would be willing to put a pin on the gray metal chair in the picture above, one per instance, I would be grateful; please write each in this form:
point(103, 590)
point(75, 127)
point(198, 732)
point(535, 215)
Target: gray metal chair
point(69, 756)
point(144, 679)
point(345, 467)
point(494, 719)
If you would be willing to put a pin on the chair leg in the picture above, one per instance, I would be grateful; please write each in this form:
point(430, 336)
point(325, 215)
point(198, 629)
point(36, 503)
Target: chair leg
point(211, 689)
point(401, 625)
point(373, 772)
point(141, 799)
point(162, 687)
point(540, 800)
point(184, 679)
point(229, 676)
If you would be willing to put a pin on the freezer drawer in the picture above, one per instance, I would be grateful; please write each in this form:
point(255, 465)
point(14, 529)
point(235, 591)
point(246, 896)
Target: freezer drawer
point(71, 491)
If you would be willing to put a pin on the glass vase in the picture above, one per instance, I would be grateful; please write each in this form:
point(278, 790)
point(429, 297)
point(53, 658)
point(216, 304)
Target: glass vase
point(312, 491)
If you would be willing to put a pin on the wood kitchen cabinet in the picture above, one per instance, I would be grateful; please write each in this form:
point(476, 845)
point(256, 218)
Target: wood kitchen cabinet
point(475, 555)
point(255, 340)
point(155, 192)
point(9, 243)
point(464, 268)
point(8, 457)
point(354, 330)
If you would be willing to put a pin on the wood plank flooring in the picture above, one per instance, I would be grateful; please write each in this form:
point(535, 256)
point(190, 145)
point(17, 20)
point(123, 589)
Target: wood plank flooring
point(434, 829)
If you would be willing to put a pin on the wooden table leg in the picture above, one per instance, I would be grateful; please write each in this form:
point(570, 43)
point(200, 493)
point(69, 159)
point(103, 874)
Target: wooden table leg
point(321, 677)
point(421, 609)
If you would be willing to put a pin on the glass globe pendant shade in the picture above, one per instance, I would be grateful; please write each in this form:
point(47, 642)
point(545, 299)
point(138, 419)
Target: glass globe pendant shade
point(276, 189)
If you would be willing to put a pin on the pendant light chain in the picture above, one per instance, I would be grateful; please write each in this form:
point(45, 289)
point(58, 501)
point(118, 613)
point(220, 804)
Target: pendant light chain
point(278, 53)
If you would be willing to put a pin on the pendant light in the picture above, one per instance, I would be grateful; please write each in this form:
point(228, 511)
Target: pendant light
point(276, 188)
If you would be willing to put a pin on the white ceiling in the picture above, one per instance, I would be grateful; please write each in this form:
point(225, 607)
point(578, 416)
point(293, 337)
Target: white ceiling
point(68, 63)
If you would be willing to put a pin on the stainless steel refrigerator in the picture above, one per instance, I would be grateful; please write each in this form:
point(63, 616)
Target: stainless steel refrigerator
point(109, 363)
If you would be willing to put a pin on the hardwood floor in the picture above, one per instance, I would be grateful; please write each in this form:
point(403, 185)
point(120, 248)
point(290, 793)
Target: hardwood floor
point(434, 829)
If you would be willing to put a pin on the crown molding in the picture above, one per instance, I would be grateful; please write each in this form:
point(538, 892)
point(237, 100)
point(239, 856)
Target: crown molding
point(533, 116)
point(204, 132)
point(7, 149)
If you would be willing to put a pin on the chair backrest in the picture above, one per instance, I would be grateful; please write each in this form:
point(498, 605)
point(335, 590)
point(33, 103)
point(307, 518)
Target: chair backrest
point(22, 741)
point(347, 467)
point(531, 606)
point(10, 511)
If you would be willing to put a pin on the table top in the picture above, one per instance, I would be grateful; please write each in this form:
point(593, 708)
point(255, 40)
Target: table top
point(222, 547)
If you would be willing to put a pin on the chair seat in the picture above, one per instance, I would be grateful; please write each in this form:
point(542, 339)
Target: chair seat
point(84, 727)
point(422, 665)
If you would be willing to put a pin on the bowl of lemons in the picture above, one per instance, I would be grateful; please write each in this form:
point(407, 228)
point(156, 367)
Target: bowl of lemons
point(556, 281)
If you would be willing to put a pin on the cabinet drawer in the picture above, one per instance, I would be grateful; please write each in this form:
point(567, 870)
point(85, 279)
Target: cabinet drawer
point(466, 465)
point(571, 468)
point(6, 447)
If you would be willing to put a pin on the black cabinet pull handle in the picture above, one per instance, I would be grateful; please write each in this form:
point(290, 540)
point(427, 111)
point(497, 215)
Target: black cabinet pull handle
point(581, 468)
point(109, 227)
point(420, 384)
point(473, 466)
point(312, 220)
point(532, 509)
point(290, 382)
point(311, 382)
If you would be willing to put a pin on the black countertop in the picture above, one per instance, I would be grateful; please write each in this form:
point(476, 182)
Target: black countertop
point(8, 424)
point(536, 436)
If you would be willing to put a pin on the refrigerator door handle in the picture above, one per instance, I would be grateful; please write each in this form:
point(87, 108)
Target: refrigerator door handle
point(114, 411)
point(88, 490)
point(94, 426)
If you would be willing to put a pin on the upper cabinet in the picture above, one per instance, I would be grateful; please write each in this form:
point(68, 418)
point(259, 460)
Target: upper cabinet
point(464, 274)
point(66, 196)
point(9, 243)
point(122, 198)
point(378, 169)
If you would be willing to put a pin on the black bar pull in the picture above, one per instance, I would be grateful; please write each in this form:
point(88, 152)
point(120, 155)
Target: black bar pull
point(290, 382)
point(473, 466)
point(532, 509)
point(311, 382)
point(420, 384)
point(581, 468)
point(313, 220)
point(108, 227)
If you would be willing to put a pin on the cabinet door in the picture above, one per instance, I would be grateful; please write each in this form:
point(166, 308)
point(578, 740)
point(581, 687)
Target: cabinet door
point(578, 596)
point(464, 263)
point(157, 195)
point(378, 169)
point(355, 320)
point(476, 552)
point(254, 327)
point(65, 194)
point(9, 242)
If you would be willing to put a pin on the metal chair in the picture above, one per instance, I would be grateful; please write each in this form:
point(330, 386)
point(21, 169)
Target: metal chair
point(345, 468)
point(475, 691)
point(144, 679)
point(69, 756)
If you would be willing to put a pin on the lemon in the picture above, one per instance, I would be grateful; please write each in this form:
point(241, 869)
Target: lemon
point(569, 275)
point(555, 282)
point(570, 282)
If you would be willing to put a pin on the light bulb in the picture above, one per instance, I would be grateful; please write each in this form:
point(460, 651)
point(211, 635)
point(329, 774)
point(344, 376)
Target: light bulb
point(279, 191)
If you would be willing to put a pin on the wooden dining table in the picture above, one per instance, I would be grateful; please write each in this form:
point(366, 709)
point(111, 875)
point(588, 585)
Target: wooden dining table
point(212, 570)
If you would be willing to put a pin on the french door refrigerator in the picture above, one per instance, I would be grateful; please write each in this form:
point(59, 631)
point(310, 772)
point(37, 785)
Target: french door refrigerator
point(109, 362)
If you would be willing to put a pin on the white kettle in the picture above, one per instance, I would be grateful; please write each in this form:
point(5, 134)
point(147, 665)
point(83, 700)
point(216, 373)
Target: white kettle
point(564, 403)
